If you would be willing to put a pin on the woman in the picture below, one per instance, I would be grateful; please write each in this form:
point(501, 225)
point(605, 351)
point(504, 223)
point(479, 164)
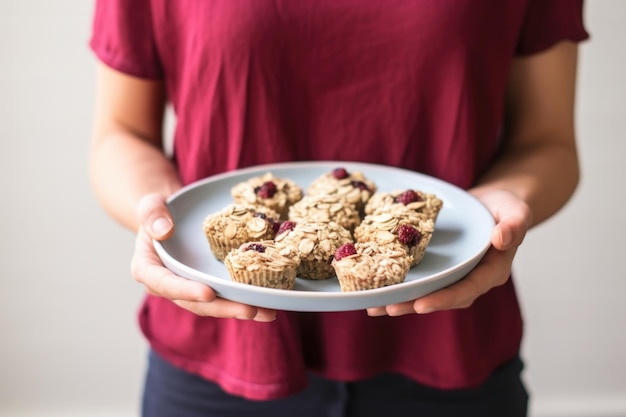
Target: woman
point(480, 94)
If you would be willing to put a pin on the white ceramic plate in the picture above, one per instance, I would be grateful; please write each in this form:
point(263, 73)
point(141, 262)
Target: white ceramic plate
point(461, 238)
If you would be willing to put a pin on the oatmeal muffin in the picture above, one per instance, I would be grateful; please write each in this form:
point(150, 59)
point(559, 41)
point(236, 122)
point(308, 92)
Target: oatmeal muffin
point(237, 224)
point(268, 191)
point(262, 264)
point(412, 231)
point(399, 201)
point(324, 209)
point(351, 187)
point(369, 265)
point(316, 244)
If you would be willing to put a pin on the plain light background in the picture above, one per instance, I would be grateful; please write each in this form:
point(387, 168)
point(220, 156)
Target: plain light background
point(70, 345)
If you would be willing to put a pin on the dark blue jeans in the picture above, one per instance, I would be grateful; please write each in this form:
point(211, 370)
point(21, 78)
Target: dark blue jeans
point(171, 392)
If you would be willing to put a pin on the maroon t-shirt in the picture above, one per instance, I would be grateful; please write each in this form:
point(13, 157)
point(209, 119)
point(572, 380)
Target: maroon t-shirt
point(412, 84)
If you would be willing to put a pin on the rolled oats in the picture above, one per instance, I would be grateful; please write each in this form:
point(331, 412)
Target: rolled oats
point(354, 189)
point(324, 209)
point(385, 202)
point(385, 228)
point(373, 266)
point(391, 231)
point(285, 194)
point(237, 224)
point(262, 264)
point(315, 244)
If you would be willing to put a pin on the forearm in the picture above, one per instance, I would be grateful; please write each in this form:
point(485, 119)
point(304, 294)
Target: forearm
point(544, 174)
point(539, 161)
point(127, 161)
point(123, 169)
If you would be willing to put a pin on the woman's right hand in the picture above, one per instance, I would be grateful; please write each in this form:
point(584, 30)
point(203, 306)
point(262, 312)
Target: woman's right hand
point(146, 267)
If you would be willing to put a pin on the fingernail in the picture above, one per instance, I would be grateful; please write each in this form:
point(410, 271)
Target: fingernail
point(377, 313)
point(425, 310)
point(505, 238)
point(264, 319)
point(161, 226)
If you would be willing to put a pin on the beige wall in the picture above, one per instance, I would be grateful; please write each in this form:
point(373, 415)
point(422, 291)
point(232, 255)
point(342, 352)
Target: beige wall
point(570, 277)
point(70, 344)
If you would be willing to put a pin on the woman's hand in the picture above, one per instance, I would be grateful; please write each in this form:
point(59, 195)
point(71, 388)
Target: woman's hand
point(513, 218)
point(146, 267)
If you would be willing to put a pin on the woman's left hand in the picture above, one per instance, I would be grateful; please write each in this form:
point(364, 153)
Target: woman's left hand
point(513, 218)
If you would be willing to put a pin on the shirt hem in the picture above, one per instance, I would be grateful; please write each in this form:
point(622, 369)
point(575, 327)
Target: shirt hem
point(232, 384)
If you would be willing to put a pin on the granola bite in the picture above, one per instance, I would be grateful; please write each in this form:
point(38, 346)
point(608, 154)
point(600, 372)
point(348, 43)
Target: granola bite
point(324, 209)
point(316, 244)
point(263, 265)
point(369, 265)
point(269, 191)
point(237, 224)
point(412, 231)
point(399, 201)
point(351, 187)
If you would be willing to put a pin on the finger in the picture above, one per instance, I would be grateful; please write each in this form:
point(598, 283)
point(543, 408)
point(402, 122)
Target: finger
point(510, 231)
point(161, 282)
point(222, 308)
point(493, 270)
point(265, 315)
point(155, 217)
point(146, 268)
point(393, 310)
point(376, 311)
point(400, 309)
point(513, 218)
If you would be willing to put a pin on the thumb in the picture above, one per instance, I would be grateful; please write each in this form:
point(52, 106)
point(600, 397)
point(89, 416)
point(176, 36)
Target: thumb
point(513, 221)
point(155, 217)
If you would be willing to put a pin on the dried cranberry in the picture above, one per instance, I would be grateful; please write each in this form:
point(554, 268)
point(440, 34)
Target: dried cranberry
point(257, 247)
point(344, 250)
point(360, 185)
point(286, 226)
point(267, 190)
point(340, 173)
point(409, 235)
point(407, 197)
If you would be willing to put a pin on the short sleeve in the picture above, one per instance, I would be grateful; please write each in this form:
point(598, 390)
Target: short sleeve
point(123, 37)
point(550, 21)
